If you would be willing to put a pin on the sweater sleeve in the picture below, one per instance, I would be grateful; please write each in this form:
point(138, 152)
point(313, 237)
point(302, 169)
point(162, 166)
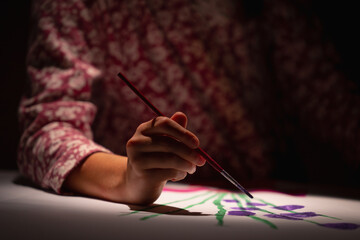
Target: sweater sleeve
point(56, 115)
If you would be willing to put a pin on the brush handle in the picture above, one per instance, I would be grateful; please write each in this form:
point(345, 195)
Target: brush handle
point(211, 161)
point(208, 159)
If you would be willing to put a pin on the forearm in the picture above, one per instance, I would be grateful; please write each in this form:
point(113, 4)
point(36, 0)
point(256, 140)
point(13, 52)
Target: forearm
point(101, 175)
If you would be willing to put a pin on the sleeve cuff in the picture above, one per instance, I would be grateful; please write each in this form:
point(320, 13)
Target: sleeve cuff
point(80, 149)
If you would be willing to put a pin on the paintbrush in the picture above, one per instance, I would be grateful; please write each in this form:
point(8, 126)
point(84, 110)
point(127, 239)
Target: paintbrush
point(209, 160)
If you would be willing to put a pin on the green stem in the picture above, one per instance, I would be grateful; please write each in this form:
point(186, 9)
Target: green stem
point(270, 224)
point(221, 210)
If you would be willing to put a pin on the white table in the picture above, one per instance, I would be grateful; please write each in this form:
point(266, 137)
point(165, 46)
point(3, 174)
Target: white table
point(190, 213)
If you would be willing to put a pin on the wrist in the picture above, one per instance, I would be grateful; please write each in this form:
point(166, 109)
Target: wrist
point(101, 175)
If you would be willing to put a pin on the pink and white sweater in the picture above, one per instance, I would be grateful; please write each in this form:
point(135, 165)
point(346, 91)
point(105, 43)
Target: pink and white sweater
point(246, 83)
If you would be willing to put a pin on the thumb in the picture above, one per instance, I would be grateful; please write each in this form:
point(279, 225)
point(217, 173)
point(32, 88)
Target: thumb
point(180, 118)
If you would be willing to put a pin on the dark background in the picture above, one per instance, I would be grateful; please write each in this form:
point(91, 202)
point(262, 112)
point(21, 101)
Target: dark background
point(14, 25)
point(338, 18)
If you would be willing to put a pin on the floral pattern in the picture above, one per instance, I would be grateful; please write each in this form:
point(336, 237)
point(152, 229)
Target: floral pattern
point(239, 79)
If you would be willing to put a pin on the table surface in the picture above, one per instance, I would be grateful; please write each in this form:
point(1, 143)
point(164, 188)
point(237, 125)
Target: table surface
point(181, 212)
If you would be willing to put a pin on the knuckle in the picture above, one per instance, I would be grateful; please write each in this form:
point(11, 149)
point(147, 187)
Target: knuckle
point(162, 121)
point(141, 127)
point(132, 142)
point(138, 140)
point(184, 132)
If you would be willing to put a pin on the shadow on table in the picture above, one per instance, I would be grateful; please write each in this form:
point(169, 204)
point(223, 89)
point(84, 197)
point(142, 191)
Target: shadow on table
point(164, 209)
point(23, 181)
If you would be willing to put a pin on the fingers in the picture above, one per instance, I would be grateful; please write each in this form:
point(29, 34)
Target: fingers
point(169, 127)
point(164, 144)
point(165, 175)
point(180, 118)
point(163, 161)
point(163, 149)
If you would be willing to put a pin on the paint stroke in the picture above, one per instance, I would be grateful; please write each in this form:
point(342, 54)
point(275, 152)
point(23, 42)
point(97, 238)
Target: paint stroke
point(251, 204)
point(221, 210)
point(270, 224)
point(241, 213)
point(231, 200)
point(238, 201)
point(342, 226)
point(255, 204)
point(300, 214)
point(288, 207)
point(282, 217)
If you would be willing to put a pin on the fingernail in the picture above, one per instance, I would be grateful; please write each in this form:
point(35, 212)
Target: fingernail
point(195, 142)
point(201, 161)
point(193, 169)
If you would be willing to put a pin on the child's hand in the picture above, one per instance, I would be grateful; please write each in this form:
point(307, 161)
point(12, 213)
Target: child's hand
point(160, 150)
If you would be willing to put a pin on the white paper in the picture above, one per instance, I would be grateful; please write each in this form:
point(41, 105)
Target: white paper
point(181, 212)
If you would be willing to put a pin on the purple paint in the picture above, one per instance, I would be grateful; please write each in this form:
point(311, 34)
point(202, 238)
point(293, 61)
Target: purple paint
point(256, 204)
point(230, 200)
point(343, 226)
point(241, 213)
point(281, 217)
point(288, 207)
point(246, 208)
point(300, 214)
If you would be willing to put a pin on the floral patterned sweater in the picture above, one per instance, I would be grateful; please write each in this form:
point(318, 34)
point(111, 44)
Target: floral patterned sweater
point(247, 83)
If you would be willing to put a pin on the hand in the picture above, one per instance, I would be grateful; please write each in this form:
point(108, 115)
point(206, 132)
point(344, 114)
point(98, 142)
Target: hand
point(160, 150)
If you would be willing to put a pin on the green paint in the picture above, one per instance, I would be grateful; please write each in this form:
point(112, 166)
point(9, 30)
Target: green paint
point(270, 204)
point(322, 215)
point(180, 209)
point(165, 204)
point(270, 224)
point(238, 203)
point(273, 226)
point(221, 210)
point(311, 222)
